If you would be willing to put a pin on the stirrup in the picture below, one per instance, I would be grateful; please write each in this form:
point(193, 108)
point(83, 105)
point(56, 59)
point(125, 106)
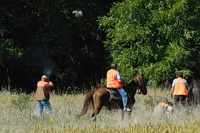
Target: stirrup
point(127, 109)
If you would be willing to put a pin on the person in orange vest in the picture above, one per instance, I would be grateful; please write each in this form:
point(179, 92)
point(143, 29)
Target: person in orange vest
point(43, 95)
point(164, 108)
point(179, 90)
point(167, 105)
point(113, 81)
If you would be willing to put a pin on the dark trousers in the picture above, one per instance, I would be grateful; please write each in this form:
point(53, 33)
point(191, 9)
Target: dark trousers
point(180, 100)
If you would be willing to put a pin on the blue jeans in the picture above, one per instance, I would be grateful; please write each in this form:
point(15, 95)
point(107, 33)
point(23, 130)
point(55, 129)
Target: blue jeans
point(41, 104)
point(124, 95)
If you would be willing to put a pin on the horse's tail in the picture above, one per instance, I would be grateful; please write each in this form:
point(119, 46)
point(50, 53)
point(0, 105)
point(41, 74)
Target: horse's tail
point(88, 99)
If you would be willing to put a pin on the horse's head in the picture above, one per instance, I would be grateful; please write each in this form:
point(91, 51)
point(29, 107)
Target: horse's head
point(141, 83)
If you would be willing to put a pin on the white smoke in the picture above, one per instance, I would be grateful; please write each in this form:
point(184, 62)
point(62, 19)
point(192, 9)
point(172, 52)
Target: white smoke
point(48, 69)
point(44, 61)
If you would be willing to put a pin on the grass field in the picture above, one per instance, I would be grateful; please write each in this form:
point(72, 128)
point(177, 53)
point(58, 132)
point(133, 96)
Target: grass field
point(19, 115)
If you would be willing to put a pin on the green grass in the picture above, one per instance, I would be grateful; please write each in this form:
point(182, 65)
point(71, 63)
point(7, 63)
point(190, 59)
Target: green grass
point(18, 114)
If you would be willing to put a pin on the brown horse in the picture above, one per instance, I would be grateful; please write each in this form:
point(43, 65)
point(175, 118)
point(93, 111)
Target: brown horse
point(102, 97)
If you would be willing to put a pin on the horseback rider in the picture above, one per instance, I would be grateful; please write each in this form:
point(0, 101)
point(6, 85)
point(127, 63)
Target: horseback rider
point(113, 80)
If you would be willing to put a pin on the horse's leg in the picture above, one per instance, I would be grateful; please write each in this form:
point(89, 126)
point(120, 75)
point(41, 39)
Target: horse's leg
point(131, 103)
point(93, 107)
point(93, 118)
point(123, 113)
point(95, 113)
point(97, 106)
point(129, 114)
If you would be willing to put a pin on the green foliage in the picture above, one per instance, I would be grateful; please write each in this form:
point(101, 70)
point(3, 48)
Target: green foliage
point(8, 50)
point(20, 101)
point(53, 40)
point(155, 38)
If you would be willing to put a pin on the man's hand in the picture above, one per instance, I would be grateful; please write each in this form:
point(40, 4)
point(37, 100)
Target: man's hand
point(123, 80)
point(171, 95)
point(172, 90)
point(48, 84)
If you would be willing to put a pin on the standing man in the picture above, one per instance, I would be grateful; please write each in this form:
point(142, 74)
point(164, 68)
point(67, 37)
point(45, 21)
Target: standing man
point(113, 80)
point(43, 95)
point(179, 90)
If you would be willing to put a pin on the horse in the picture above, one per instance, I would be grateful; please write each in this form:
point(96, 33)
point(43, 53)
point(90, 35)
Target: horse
point(193, 97)
point(102, 97)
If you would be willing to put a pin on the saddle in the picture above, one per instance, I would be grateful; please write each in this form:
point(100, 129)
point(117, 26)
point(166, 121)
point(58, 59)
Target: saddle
point(114, 94)
point(115, 97)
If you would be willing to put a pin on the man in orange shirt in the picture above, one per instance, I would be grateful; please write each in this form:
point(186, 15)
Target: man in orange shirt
point(43, 95)
point(179, 90)
point(113, 81)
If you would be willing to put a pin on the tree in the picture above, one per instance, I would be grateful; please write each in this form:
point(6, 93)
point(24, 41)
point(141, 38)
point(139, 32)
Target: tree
point(8, 53)
point(156, 38)
point(55, 42)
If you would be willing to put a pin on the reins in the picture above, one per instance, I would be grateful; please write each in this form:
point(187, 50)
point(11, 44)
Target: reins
point(140, 85)
point(138, 81)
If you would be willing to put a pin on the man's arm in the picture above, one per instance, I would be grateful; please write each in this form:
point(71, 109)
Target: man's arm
point(172, 90)
point(186, 84)
point(173, 87)
point(49, 84)
point(118, 77)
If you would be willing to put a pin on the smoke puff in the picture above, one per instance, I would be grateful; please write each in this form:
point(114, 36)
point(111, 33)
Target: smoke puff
point(44, 61)
point(48, 66)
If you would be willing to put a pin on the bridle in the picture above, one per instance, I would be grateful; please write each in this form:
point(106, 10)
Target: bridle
point(141, 86)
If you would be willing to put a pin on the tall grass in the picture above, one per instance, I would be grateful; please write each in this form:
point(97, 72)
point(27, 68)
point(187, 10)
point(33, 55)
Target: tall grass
point(18, 114)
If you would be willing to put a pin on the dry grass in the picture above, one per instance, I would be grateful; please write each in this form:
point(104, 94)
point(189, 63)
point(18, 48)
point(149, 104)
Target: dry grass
point(19, 115)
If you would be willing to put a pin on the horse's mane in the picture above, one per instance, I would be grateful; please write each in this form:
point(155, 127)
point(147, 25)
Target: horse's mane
point(130, 87)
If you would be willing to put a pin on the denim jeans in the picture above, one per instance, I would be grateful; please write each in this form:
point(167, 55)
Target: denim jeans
point(41, 104)
point(124, 95)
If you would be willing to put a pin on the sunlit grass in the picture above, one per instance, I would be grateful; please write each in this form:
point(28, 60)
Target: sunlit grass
point(19, 115)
